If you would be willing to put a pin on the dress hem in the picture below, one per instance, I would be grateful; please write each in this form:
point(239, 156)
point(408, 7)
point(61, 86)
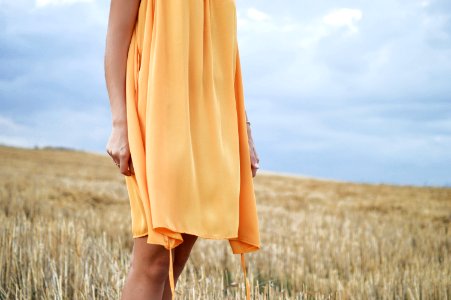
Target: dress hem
point(251, 248)
point(201, 235)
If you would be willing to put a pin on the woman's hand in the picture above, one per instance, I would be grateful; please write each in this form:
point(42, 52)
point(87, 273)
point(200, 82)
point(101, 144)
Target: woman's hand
point(254, 156)
point(119, 150)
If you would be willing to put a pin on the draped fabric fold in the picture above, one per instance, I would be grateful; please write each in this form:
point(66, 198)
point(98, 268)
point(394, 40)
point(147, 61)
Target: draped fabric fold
point(187, 127)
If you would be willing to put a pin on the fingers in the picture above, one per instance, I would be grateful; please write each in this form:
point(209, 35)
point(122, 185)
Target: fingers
point(110, 153)
point(254, 165)
point(122, 159)
point(132, 169)
point(123, 165)
point(254, 158)
point(254, 161)
point(257, 159)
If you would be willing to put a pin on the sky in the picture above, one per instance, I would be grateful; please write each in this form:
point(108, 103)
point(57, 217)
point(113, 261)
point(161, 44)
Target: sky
point(346, 90)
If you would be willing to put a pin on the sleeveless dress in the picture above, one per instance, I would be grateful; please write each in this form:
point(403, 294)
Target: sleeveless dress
point(187, 128)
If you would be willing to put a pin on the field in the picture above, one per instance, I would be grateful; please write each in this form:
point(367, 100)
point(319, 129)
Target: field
point(65, 234)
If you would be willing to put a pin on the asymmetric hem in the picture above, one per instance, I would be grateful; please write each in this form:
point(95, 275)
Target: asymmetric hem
point(187, 128)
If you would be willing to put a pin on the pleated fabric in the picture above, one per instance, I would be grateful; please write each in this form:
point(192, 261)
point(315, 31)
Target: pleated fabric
point(187, 128)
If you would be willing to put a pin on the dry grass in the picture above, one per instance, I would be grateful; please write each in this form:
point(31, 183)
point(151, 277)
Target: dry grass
point(65, 234)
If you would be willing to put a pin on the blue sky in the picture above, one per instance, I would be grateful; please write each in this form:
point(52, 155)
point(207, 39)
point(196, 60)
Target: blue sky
point(347, 90)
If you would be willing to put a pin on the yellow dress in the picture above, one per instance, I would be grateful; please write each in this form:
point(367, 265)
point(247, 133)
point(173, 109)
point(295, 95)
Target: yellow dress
point(187, 127)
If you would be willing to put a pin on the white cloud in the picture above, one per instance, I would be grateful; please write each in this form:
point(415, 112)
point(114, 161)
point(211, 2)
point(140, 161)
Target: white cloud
point(257, 15)
point(425, 3)
point(344, 17)
point(13, 133)
point(7, 125)
point(257, 21)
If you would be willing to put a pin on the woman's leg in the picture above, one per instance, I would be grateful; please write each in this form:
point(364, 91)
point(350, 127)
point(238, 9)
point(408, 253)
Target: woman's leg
point(181, 255)
point(148, 271)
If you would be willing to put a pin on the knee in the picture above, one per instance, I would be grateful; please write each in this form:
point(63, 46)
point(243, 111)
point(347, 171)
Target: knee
point(156, 269)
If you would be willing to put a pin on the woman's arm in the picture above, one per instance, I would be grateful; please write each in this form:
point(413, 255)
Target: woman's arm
point(121, 22)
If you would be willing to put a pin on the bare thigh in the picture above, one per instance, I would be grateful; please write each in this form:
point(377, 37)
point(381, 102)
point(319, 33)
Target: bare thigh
point(145, 254)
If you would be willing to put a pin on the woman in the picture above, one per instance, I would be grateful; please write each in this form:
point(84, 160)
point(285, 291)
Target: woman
point(180, 134)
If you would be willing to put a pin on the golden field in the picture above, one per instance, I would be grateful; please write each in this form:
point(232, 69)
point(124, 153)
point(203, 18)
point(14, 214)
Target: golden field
point(66, 234)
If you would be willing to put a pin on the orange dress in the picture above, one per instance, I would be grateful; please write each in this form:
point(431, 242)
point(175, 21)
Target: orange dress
point(187, 127)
